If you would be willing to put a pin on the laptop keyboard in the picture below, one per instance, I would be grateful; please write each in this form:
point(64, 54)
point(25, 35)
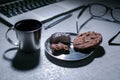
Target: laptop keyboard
point(22, 6)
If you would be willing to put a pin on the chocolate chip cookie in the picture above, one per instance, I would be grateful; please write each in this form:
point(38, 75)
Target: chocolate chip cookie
point(88, 41)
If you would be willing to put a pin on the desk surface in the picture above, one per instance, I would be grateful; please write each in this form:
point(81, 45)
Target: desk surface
point(104, 66)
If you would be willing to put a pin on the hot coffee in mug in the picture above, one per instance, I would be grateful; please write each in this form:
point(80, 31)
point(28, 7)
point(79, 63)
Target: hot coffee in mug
point(28, 33)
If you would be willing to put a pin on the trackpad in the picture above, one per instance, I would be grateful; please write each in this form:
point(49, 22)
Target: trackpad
point(49, 11)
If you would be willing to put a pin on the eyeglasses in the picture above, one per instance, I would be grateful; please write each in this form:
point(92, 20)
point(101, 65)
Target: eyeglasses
point(98, 11)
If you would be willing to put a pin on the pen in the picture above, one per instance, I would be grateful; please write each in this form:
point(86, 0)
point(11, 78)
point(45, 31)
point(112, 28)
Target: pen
point(58, 21)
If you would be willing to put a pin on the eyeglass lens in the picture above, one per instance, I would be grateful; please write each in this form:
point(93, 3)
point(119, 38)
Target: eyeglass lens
point(116, 14)
point(97, 10)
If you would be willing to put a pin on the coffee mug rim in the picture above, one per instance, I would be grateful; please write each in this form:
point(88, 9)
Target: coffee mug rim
point(14, 26)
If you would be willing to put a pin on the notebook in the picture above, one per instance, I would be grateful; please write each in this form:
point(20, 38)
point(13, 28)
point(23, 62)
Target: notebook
point(12, 11)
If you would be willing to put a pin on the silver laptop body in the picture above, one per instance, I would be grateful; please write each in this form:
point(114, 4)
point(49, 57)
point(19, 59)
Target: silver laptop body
point(44, 13)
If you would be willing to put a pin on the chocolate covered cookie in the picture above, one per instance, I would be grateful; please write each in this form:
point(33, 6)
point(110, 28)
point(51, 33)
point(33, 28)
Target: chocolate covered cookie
point(60, 42)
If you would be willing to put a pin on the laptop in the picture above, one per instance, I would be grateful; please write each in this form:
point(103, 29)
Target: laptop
point(12, 11)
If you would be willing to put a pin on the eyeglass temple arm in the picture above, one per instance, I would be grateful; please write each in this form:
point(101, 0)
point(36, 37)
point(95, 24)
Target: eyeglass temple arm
point(81, 12)
point(79, 15)
point(110, 41)
point(84, 23)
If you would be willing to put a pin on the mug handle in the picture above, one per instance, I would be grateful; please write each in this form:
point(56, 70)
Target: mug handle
point(8, 39)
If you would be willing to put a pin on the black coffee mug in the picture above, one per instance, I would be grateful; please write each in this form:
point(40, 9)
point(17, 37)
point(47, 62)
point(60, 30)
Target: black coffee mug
point(28, 33)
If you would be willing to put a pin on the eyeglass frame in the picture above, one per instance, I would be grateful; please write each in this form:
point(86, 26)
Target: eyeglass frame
point(95, 17)
point(111, 39)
